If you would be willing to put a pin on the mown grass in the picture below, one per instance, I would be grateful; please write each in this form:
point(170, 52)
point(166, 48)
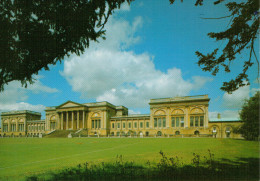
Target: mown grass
point(22, 157)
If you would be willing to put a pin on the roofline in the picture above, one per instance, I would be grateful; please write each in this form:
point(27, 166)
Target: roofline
point(180, 99)
point(20, 112)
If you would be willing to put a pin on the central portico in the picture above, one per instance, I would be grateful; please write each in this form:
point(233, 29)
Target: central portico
point(91, 116)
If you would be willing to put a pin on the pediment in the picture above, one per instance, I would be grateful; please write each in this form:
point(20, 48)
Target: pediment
point(69, 104)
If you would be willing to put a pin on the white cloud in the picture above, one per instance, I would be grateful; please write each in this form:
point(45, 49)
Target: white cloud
point(14, 92)
point(14, 95)
point(130, 111)
point(21, 106)
point(225, 114)
point(125, 7)
point(237, 98)
point(38, 87)
point(108, 72)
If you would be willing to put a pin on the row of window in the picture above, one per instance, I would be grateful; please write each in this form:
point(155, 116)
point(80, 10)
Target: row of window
point(13, 127)
point(160, 122)
point(196, 121)
point(141, 125)
point(128, 133)
point(35, 127)
point(96, 124)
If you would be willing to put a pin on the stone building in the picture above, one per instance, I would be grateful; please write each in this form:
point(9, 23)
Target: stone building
point(21, 123)
point(177, 116)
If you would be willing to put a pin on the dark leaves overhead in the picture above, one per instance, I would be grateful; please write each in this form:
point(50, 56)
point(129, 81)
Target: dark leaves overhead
point(239, 36)
point(36, 33)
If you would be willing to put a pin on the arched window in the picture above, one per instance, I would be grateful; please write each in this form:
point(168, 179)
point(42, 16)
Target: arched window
point(177, 132)
point(146, 133)
point(159, 133)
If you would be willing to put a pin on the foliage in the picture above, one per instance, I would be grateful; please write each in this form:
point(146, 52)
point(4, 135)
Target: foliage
point(37, 33)
point(165, 169)
point(250, 115)
point(241, 34)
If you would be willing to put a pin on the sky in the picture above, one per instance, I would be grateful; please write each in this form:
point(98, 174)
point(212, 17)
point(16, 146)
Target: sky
point(149, 52)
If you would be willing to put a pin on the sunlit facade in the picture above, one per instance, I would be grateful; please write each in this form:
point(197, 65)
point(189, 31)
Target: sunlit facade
point(169, 117)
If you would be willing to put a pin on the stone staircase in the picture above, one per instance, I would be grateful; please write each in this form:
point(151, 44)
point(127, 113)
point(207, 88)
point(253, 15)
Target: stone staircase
point(60, 134)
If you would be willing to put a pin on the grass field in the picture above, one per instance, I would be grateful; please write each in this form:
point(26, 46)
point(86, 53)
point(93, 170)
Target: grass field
point(21, 157)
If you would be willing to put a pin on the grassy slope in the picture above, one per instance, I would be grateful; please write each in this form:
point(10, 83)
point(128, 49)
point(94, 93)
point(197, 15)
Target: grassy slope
point(26, 156)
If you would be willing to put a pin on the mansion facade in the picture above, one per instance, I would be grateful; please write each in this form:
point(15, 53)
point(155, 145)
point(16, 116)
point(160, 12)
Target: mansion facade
point(171, 117)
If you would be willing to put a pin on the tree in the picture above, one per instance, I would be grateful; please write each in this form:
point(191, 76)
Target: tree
point(250, 116)
point(241, 35)
point(37, 33)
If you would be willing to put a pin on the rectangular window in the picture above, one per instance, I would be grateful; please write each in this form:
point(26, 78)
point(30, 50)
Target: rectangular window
point(93, 124)
point(164, 122)
point(123, 125)
point(201, 120)
point(99, 125)
point(177, 122)
point(173, 121)
point(43, 128)
point(5, 128)
point(13, 127)
point(129, 125)
point(196, 121)
point(135, 124)
point(147, 124)
point(191, 121)
point(159, 122)
point(118, 125)
point(141, 124)
point(182, 121)
point(155, 122)
point(113, 125)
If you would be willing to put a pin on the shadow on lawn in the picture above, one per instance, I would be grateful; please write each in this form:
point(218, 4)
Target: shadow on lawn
point(201, 168)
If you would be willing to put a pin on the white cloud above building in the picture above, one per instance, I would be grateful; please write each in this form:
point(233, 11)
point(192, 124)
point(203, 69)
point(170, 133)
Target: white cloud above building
point(108, 71)
point(14, 96)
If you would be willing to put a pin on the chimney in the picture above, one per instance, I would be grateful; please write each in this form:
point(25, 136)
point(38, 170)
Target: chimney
point(219, 116)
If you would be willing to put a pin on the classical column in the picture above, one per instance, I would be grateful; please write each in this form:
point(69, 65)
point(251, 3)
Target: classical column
point(206, 119)
point(186, 124)
point(77, 119)
point(61, 121)
point(168, 117)
point(151, 119)
point(72, 119)
point(9, 125)
point(67, 120)
point(58, 122)
point(16, 124)
point(103, 120)
point(83, 112)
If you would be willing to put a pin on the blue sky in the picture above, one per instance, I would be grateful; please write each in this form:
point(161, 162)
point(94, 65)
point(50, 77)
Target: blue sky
point(149, 53)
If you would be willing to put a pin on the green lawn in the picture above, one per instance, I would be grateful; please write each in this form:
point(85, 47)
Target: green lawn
point(21, 157)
